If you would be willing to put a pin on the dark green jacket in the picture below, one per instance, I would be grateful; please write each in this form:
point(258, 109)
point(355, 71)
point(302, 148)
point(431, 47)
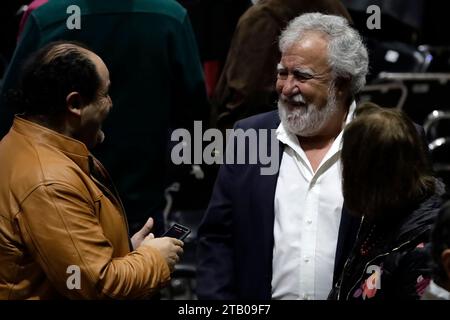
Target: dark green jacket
point(157, 85)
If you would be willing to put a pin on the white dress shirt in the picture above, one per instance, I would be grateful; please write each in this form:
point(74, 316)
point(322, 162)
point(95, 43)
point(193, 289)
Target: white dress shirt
point(308, 208)
point(435, 292)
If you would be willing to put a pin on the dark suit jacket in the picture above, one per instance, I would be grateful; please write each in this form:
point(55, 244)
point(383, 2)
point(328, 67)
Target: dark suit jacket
point(236, 235)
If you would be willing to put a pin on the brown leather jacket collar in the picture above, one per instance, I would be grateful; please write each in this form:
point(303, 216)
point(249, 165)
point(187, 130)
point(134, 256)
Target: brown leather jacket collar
point(72, 148)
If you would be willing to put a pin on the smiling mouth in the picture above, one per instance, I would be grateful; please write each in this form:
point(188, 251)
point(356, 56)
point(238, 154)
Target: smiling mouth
point(294, 104)
point(293, 101)
point(297, 103)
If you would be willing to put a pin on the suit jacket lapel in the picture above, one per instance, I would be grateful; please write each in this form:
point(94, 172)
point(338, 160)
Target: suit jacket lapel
point(264, 197)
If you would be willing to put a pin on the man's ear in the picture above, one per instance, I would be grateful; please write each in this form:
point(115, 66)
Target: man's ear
point(74, 103)
point(342, 86)
point(445, 259)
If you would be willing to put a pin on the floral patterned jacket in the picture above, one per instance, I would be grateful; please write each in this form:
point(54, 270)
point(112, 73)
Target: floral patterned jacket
point(391, 262)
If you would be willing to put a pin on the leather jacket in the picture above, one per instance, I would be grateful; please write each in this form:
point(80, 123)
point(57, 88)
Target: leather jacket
point(63, 230)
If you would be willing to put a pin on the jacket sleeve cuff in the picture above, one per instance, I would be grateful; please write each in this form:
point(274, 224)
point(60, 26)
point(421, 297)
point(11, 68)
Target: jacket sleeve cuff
point(160, 264)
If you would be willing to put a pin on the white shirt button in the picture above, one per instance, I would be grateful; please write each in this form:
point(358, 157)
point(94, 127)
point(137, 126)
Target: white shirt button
point(308, 221)
point(306, 259)
point(305, 296)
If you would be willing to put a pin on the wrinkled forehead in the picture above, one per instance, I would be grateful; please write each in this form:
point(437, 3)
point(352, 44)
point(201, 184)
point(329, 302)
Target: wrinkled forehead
point(310, 51)
point(309, 42)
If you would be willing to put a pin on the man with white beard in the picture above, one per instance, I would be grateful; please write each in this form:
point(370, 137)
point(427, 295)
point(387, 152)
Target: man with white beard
point(285, 236)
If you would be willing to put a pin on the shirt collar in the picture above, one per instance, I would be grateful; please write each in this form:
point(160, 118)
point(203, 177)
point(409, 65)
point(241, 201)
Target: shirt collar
point(437, 291)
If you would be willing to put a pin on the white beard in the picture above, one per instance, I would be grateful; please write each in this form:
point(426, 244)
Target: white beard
point(308, 120)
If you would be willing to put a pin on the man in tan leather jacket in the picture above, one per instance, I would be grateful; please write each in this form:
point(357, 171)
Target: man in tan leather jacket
point(63, 230)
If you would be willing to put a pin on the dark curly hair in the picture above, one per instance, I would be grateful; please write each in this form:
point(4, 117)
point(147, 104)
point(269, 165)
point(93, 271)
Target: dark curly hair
point(440, 241)
point(50, 74)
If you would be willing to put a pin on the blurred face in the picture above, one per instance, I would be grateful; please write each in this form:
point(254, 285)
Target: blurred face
point(307, 98)
point(93, 114)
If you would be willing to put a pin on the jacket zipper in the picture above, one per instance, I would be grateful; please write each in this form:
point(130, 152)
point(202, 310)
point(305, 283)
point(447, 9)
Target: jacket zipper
point(115, 199)
point(115, 196)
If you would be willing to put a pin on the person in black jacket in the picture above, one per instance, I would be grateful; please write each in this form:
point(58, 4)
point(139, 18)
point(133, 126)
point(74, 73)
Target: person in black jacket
point(386, 181)
point(439, 288)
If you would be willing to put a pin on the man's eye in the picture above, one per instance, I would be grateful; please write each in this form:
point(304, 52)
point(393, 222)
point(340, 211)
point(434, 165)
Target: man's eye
point(302, 75)
point(282, 73)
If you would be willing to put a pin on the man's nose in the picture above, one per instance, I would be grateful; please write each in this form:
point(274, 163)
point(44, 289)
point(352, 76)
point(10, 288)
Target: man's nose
point(290, 87)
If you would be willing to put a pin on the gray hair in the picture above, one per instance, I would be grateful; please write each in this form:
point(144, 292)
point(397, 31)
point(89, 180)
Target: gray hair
point(347, 54)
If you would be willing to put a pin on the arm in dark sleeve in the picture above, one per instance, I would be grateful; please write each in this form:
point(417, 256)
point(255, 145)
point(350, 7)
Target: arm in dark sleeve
point(412, 275)
point(216, 262)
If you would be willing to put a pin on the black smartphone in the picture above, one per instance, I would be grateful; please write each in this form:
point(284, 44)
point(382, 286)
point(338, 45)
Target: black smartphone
point(177, 231)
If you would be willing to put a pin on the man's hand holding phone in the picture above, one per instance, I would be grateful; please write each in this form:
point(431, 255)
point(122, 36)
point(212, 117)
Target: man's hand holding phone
point(170, 245)
point(170, 248)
